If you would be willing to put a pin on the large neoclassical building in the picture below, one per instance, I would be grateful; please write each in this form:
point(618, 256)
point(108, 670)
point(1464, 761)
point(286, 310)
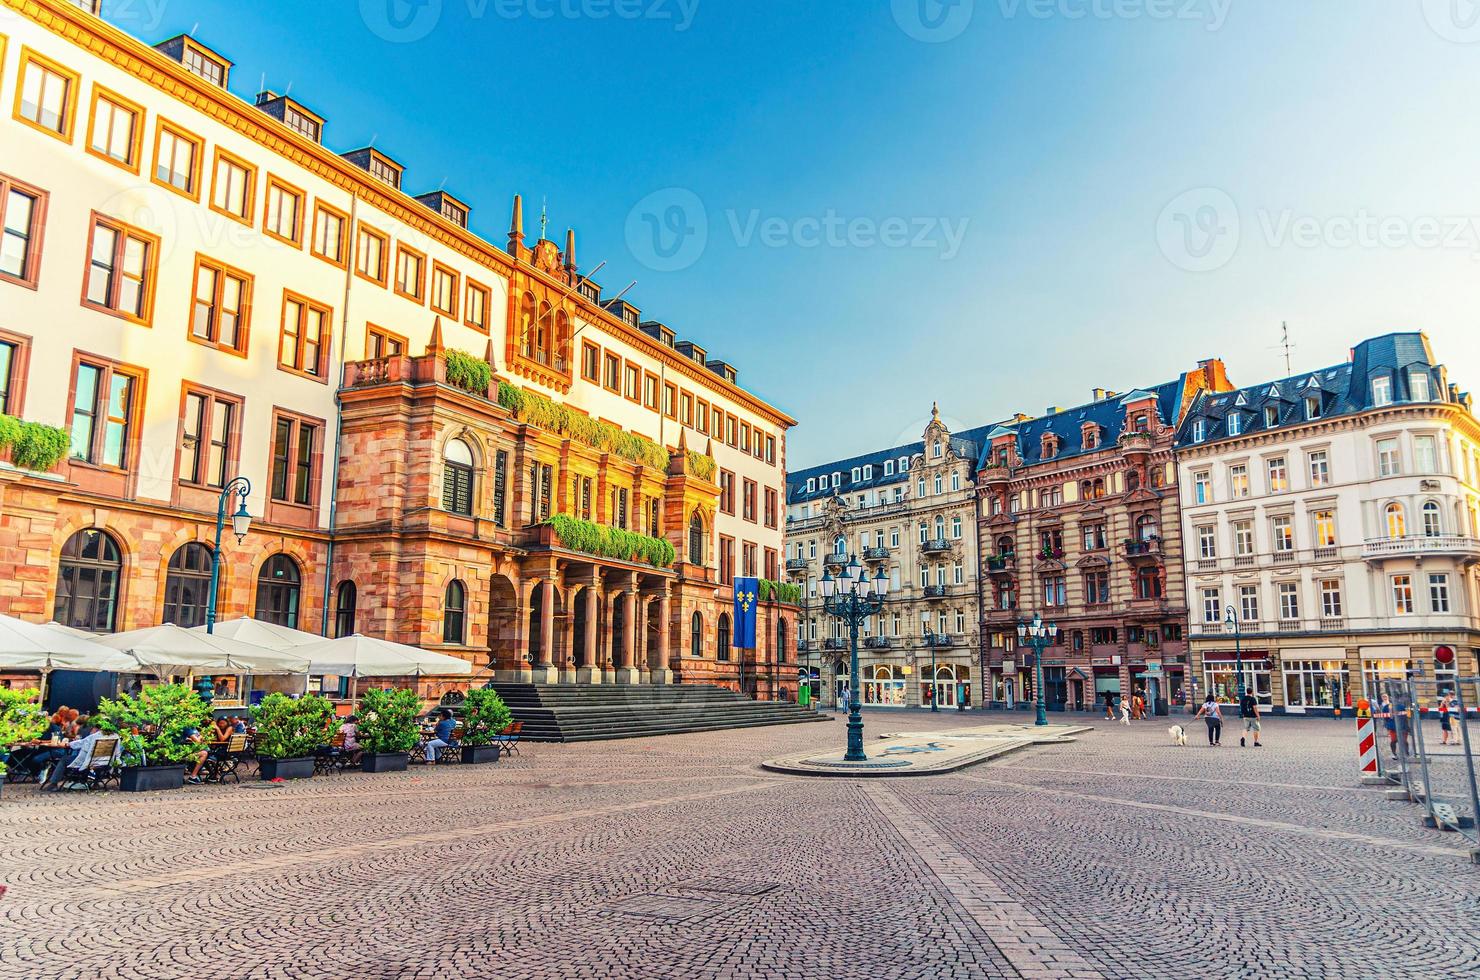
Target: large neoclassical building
point(451, 442)
point(1333, 517)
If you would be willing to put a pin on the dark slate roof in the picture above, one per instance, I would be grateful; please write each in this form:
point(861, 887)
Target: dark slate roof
point(1108, 413)
point(966, 444)
point(1345, 389)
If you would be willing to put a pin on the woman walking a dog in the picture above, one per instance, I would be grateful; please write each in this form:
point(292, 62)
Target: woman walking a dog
point(1213, 715)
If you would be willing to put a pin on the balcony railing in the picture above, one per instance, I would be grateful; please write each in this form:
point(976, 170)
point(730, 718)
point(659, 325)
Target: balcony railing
point(1440, 545)
point(876, 554)
point(877, 642)
point(1001, 563)
point(941, 640)
point(936, 591)
point(836, 560)
point(835, 643)
point(797, 564)
point(934, 545)
point(1149, 548)
point(805, 646)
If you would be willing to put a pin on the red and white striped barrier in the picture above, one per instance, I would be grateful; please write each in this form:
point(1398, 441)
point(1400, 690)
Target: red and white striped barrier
point(1366, 739)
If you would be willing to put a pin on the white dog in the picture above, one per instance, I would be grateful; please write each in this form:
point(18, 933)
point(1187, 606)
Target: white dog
point(1179, 735)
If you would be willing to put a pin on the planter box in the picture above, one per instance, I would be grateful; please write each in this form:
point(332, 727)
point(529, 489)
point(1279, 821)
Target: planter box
point(144, 779)
point(285, 768)
point(383, 762)
point(478, 754)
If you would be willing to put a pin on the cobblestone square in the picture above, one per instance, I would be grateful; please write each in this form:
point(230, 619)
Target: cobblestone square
point(1119, 855)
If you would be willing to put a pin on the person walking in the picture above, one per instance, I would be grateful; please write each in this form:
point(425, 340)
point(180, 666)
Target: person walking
point(1446, 722)
point(1125, 711)
point(1385, 712)
point(1248, 710)
point(1211, 713)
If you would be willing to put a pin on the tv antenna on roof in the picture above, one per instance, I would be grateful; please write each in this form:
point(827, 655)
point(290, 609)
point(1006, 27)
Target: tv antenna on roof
point(1286, 346)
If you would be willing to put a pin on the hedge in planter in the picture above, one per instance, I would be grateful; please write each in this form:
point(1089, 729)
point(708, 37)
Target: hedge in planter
point(611, 542)
point(484, 715)
point(289, 731)
point(21, 719)
point(387, 727)
point(168, 711)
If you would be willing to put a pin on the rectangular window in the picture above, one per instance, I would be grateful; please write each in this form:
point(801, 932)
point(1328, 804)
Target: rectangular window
point(199, 63)
point(747, 500)
point(632, 382)
point(1382, 392)
point(1243, 538)
point(670, 401)
point(1207, 541)
point(771, 450)
point(1202, 487)
point(701, 416)
point(731, 424)
point(1425, 454)
point(1279, 476)
point(14, 355)
point(329, 228)
point(726, 492)
point(177, 156)
point(303, 345)
point(1096, 587)
point(208, 439)
point(650, 384)
point(46, 96)
point(1248, 603)
point(302, 124)
point(1212, 602)
point(1320, 468)
point(370, 254)
point(501, 488)
point(590, 361)
point(1238, 480)
point(411, 272)
point(103, 415)
point(1402, 595)
point(1325, 528)
point(22, 218)
point(1283, 530)
point(445, 286)
point(772, 510)
point(745, 437)
point(1388, 461)
point(611, 372)
point(1439, 592)
point(221, 307)
point(1418, 386)
point(121, 270)
point(1331, 598)
point(1289, 600)
point(233, 187)
point(475, 310)
point(116, 130)
point(686, 409)
point(282, 215)
point(294, 457)
point(380, 342)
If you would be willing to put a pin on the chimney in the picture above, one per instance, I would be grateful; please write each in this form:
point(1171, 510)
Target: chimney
point(1099, 394)
point(1053, 410)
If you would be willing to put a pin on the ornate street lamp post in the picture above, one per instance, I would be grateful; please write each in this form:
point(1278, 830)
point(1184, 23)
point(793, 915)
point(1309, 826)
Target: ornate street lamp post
point(930, 642)
point(1238, 653)
point(241, 521)
point(1039, 637)
point(852, 597)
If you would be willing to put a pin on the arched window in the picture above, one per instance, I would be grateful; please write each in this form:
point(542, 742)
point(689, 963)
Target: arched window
point(87, 582)
point(1397, 523)
point(780, 641)
point(457, 478)
point(696, 636)
point(187, 585)
point(722, 638)
point(562, 339)
point(526, 325)
point(345, 598)
point(1133, 480)
point(542, 328)
point(696, 540)
point(1432, 525)
point(454, 612)
point(840, 545)
point(940, 526)
point(1004, 545)
point(279, 588)
point(1099, 489)
point(1145, 527)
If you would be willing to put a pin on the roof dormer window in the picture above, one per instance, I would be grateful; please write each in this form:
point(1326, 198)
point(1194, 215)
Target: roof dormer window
point(197, 62)
point(1312, 408)
point(935, 451)
point(856, 475)
point(1271, 416)
point(1050, 446)
point(302, 124)
point(1382, 391)
point(888, 467)
point(1199, 430)
point(1235, 423)
point(1418, 386)
point(868, 473)
point(384, 172)
point(811, 483)
point(1091, 433)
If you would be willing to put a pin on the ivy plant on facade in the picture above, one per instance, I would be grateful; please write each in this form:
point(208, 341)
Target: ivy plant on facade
point(472, 374)
point(542, 413)
point(32, 446)
point(611, 542)
point(787, 592)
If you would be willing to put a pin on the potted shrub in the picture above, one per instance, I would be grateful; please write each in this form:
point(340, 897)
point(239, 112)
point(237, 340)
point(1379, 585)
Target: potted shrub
point(387, 728)
point(154, 727)
point(21, 719)
point(484, 715)
point(289, 732)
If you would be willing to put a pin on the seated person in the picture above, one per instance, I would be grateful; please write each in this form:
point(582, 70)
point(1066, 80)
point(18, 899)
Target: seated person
point(442, 735)
point(351, 732)
point(80, 750)
point(222, 729)
point(239, 725)
point(192, 736)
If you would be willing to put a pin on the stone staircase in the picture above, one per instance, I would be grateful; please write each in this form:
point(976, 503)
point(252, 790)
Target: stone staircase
point(591, 712)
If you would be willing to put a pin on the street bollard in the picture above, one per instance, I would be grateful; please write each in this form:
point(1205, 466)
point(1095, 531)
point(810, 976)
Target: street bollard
point(1367, 744)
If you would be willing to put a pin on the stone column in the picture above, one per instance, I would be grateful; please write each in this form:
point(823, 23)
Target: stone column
point(626, 671)
point(661, 674)
point(544, 670)
point(591, 673)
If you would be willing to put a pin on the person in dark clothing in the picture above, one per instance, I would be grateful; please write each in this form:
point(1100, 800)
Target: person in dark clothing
point(1248, 710)
point(442, 737)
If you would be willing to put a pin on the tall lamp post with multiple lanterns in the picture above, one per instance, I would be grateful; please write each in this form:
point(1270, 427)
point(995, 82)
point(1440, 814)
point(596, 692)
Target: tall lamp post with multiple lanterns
point(853, 597)
point(1040, 637)
point(1238, 654)
point(241, 521)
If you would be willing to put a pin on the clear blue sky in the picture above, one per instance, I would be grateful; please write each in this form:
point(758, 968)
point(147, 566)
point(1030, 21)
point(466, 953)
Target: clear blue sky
point(869, 204)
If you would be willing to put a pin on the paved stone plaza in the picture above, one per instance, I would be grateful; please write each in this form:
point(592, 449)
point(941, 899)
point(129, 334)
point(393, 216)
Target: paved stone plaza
point(1116, 856)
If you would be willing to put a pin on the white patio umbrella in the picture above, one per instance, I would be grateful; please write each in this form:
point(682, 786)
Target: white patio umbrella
point(365, 656)
point(256, 632)
point(46, 647)
point(157, 647)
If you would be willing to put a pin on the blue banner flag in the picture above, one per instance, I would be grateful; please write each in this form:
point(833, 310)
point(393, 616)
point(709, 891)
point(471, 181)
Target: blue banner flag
point(747, 594)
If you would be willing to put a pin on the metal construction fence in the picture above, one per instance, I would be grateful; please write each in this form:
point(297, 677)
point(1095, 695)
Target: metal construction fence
point(1427, 744)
